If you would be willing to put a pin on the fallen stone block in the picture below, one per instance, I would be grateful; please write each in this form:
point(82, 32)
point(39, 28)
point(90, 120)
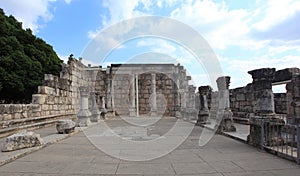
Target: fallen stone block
point(22, 140)
point(65, 126)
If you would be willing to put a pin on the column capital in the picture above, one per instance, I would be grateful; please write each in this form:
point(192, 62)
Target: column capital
point(223, 82)
point(204, 90)
point(83, 90)
point(267, 74)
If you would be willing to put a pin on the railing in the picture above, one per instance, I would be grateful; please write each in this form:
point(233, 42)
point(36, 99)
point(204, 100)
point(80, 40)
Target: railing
point(280, 138)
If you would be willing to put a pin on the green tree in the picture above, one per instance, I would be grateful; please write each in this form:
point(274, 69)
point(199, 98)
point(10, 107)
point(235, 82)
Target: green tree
point(24, 59)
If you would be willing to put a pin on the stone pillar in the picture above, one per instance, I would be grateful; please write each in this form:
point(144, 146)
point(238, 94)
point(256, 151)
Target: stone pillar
point(112, 94)
point(176, 90)
point(94, 110)
point(153, 95)
point(132, 111)
point(102, 109)
point(262, 89)
point(224, 113)
point(83, 116)
point(203, 116)
point(108, 93)
point(264, 109)
point(137, 93)
point(184, 94)
point(293, 101)
point(191, 112)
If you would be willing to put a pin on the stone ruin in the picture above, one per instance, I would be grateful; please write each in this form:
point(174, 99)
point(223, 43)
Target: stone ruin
point(88, 94)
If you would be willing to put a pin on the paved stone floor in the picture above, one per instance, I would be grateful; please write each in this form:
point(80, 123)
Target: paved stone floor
point(221, 156)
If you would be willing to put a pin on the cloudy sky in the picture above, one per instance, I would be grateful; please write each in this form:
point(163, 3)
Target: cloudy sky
point(244, 35)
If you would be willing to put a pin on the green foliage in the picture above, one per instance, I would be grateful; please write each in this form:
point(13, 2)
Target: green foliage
point(24, 59)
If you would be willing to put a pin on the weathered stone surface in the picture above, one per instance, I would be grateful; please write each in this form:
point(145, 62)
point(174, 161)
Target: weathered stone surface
point(203, 115)
point(224, 114)
point(285, 74)
point(65, 126)
point(83, 116)
point(21, 140)
point(272, 131)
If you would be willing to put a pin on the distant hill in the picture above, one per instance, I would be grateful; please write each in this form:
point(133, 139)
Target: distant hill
point(24, 59)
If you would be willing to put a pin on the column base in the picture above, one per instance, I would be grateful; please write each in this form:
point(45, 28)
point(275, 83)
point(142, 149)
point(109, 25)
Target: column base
point(83, 118)
point(132, 112)
point(103, 112)
point(83, 121)
point(95, 117)
point(226, 123)
point(203, 118)
point(153, 113)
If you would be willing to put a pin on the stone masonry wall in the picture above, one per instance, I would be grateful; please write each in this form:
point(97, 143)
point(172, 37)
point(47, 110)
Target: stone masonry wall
point(280, 103)
point(53, 98)
point(58, 96)
point(242, 101)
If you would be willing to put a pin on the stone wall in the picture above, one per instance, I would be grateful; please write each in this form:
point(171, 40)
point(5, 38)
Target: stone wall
point(117, 84)
point(242, 101)
point(57, 97)
point(53, 101)
point(280, 103)
point(293, 101)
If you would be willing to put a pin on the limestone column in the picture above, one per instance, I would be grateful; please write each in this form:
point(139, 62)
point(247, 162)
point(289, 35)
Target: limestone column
point(83, 116)
point(102, 109)
point(262, 89)
point(264, 109)
point(132, 111)
point(191, 111)
point(112, 95)
point(94, 110)
point(184, 99)
point(177, 94)
point(108, 91)
point(203, 116)
point(153, 95)
point(137, 93)
point(224, 115)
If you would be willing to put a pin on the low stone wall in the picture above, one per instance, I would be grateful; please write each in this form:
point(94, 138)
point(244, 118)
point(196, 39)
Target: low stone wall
point(17, 111)
point(53, 101)
point(242, 101)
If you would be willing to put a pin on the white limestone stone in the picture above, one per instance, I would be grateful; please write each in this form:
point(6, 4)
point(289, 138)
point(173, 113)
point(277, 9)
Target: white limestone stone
point(22, 140)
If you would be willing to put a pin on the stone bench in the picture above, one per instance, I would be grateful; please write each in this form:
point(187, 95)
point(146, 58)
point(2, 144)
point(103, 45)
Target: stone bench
point(12, 126)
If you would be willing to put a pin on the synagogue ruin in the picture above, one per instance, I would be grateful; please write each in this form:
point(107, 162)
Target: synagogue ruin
point(87, 94)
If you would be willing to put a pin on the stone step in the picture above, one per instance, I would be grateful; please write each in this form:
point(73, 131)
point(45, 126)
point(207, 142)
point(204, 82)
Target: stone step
point(241, 120)
point(12, 126)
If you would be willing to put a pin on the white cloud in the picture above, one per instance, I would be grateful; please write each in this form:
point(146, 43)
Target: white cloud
point(276, 11)
point(33, 14)
point(169, 48)
point(220, 26)
point(238, 68)
point(68, 1)
point(28, 13)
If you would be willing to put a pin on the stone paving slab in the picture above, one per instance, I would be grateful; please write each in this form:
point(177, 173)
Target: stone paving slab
point(221, 156)
point(49, 136)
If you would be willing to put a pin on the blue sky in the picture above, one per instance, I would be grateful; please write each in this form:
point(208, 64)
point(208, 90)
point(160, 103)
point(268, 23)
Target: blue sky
point(244, 35)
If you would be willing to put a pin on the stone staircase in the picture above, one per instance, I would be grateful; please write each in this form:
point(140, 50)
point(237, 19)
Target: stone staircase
point(8, 127)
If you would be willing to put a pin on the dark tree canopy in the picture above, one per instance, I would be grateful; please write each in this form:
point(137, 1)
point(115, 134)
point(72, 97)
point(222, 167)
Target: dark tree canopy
point(24, 59)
